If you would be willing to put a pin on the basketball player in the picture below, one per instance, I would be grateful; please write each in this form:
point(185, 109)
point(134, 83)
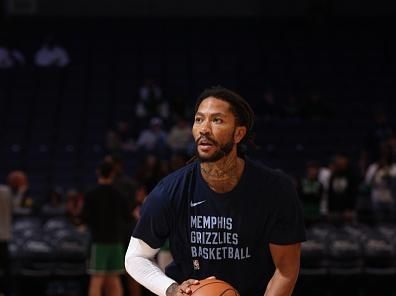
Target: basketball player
point(106, 211)
point(225, 215)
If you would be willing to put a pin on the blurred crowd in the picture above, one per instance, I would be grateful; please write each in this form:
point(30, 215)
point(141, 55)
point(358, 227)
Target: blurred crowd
point(345, 191)
point(49, 54)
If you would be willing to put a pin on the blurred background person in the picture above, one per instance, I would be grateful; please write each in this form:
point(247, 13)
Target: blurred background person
point(381, 180)
point(180, 137)
point(128, 188)
point(51, 54)
point(74, 206)
point(342, 192)
point(24, 204)
point(153, 139)
point(55, 205)
point(151, 102)
point(5, 237)
point(120, 139)
point(106, 212)
point(310, 191)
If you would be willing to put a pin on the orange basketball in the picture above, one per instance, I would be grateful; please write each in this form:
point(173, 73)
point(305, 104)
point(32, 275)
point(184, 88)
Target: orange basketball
point(213, 287)
point(17, 179)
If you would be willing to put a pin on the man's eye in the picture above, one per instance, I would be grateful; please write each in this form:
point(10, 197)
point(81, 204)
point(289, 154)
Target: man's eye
point(198, 120)
point(217, 120)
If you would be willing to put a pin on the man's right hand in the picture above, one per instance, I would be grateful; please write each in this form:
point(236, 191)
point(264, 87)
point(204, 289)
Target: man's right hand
point(182, 289)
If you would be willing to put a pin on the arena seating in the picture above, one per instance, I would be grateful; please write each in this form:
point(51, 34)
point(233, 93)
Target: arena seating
point(53, 121)
point(353, 257)
point(45, 249)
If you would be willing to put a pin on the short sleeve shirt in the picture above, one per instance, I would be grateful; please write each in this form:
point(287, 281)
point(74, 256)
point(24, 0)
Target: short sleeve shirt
point(226, 235)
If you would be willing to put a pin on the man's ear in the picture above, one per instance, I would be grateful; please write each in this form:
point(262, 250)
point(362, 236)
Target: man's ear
point(239, 134)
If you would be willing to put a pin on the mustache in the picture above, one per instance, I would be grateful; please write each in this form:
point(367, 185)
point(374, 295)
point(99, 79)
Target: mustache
point(209, 139)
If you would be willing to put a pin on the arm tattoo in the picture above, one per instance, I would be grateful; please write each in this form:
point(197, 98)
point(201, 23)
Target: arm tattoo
point(172, 289)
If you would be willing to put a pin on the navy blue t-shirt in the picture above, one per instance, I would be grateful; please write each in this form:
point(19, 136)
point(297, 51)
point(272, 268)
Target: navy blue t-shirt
point(226, 235)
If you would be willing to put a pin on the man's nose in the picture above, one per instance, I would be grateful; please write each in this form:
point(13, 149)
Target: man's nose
point(205, 128)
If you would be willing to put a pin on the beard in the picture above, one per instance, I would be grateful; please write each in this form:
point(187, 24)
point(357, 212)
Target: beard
point(222, 151)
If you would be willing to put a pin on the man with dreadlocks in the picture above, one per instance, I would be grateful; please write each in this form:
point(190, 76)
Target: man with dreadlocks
point(225, 215)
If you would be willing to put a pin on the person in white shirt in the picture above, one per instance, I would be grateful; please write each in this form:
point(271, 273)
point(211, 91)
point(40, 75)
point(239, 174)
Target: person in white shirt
point(51, 55)
point(381, 179)
point(151, 102)
point(154, 137)
point(180, 137)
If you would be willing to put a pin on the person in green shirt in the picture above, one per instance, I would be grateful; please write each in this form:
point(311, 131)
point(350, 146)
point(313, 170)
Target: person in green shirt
point(311, 193)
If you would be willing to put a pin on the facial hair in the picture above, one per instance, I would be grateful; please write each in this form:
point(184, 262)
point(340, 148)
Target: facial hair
point(222, 151)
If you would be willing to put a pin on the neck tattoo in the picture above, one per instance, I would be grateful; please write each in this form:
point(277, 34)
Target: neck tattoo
point(222, 179)
point(219, 173)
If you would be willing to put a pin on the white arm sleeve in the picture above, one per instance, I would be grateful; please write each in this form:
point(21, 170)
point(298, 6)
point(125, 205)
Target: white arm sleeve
point(140, 265)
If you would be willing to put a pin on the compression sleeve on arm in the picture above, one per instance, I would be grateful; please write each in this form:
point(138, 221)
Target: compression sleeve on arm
point(140, 265)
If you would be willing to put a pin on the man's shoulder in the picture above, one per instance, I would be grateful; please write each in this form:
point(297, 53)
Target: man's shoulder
point(266, 174)
point(279, 187)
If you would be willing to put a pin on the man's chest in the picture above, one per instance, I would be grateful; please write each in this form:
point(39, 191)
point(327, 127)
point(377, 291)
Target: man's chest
point(217, 230)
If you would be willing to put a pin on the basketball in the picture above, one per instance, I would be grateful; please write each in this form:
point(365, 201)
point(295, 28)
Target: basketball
point(17, 179)
point(213, 287)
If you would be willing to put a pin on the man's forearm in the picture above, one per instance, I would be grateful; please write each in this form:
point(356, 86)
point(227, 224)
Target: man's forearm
point(139, 264)
point(281, 284)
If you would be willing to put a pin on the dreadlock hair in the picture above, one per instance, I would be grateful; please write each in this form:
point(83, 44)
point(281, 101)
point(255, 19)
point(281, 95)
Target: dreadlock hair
point(239, 107)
